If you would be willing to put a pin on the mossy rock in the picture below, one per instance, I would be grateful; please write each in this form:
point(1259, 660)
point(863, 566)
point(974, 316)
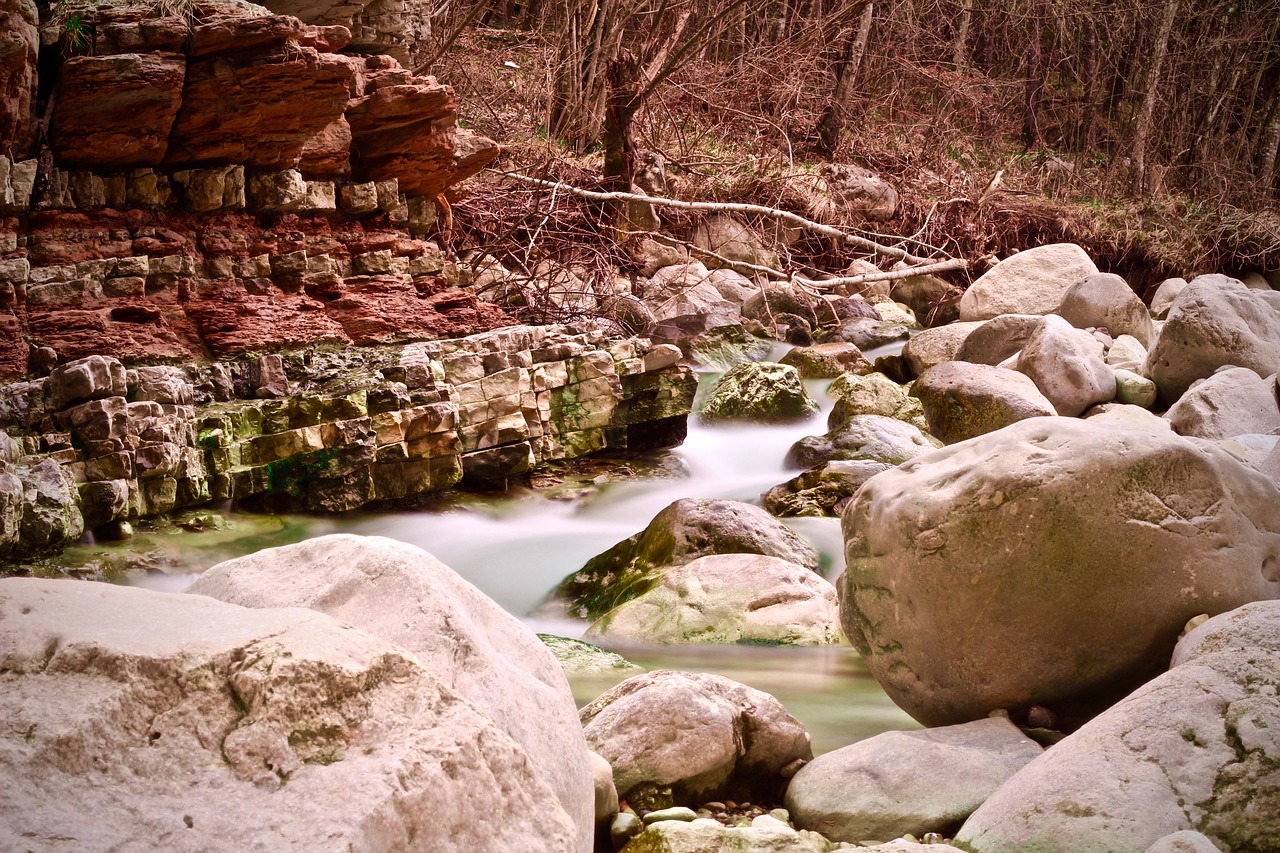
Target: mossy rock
point(761, 392)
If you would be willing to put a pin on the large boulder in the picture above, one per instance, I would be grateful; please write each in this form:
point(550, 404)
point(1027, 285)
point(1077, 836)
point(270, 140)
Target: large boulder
point(403, 595)
point(685, 293)
point(1106, 301)
point(1030, 282)
point(758, 392)
point(963, 400)
point(138, 719)
point(873, 438)
point(682, 532)
point(733, 241)
point(1233, 401)
point(1052, 562)
point(729, 598)
point(1214, 321)
point(1194, 750)
point(907, 782)
point(1162, 299)
point(702, 736)
point(1066, 365)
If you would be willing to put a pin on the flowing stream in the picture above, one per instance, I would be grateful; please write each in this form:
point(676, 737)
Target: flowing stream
point(516, 548)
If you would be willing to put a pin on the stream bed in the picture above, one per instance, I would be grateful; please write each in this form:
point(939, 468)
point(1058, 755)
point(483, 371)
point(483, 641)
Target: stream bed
point(516, 547)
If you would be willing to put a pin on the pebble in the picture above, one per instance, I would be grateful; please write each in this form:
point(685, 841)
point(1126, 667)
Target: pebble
point(625, 826)
point(674, 813)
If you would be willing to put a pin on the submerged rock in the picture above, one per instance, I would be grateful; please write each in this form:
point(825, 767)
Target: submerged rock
point(1052, 562)
point(759, 392)
point(682, 532)
point(729, 598)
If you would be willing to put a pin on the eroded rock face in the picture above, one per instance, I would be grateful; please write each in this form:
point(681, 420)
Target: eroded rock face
point(987, 575)
point(280, 718)
point(19, 47)
point(729, 598)
point(680, 533)
point(1030, 282)
point(703, 736)
point(1192, 752)
point(402, 594)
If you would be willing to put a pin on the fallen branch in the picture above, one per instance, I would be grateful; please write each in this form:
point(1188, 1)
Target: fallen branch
point(891, 252)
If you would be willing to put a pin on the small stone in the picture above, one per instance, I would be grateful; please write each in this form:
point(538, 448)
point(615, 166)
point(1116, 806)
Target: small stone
point(781, 814)
point(624, 827)
point(713, 806)
point(674, 813)
point(1040, 717)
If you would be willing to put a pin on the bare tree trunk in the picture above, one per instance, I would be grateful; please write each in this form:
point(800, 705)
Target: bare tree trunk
point(624, 102)
point(1036, 69)
point(592, 33)
point(836, 115)
point(960, 52)
point(1142, 127)
point(1089, 119)
point(1268, 168)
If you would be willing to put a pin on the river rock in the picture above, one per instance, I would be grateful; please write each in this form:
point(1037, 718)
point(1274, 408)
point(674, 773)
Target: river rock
point(1126, 353)
point(1214, 321)
point(987, 576)
point(1193, 750)
point(934, 301)
point(1184, 841)
point(1233, 401)
point(1127, 416)
point(827, 361)
point(684, 292)
point(728, 598)
point(292, 727)
point(821, 491)
point(733, 241)
point(759, 392)
point(91, 378)
point(703, 736)
point(578, 657)
point(703, 835)
point(1066, 365)
point(870, 437)
point(1105, 300)
point(779, 298)
point(606, 792)
point(1030, 282)
point(1134, 389)
point(934, 346)
point(907, 782)
point(403, 595)
point(963, 400)
point(682, 532)
point(1166, 293)
point(872, 394)
point(866, 333)
point(998, 338)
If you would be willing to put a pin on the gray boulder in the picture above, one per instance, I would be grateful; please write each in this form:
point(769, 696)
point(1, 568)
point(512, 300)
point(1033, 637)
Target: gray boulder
point(401, 594)
point(1030, 282)
point(963, 400)
point(983, 576)
point(1214, 321)
point(998, 338)
point(934, 346)
point(907, 782)
point(728, 598)
point(867, 333)
point(1105, 300)
point(1193, 750)
point(144, 720)
point(684, 292)
point(1127, 416)
point(1233, 401)
point(51, 516)
point(871, 437)
point(732, 240)
point(758, 392)
point(679, 534)
point(1066, 365)
point(703, 736)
